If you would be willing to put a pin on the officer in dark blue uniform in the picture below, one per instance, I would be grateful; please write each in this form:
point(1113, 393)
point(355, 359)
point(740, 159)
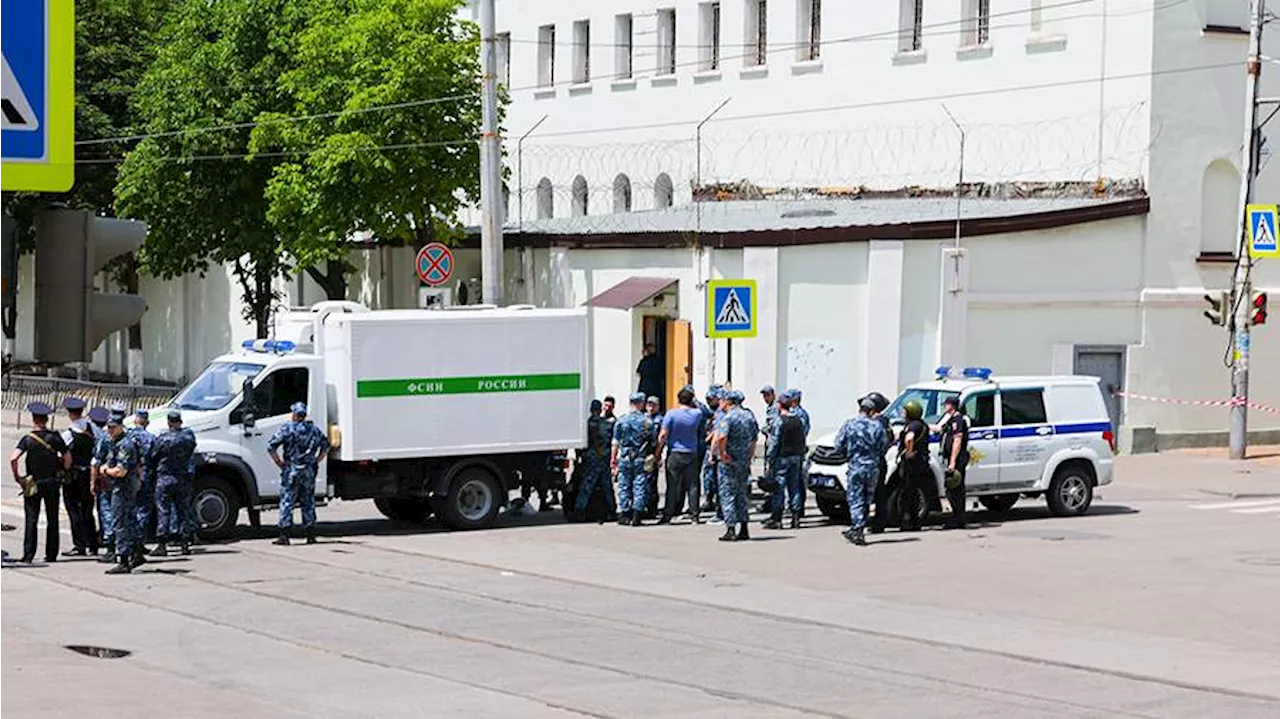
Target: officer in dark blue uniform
point(171, 462)
point(147, 492)
point(100, 484)
point(121, 468)
point(47, 459)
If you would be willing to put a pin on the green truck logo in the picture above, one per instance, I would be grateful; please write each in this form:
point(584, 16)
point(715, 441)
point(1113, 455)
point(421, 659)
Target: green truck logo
point(372, 388)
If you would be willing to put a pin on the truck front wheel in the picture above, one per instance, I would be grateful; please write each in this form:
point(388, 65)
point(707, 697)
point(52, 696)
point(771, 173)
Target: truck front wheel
point(217, 507)
point(473, 500)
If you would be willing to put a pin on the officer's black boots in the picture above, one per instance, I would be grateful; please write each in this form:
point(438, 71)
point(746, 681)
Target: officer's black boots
point(186, 545)
point(139, 557)
point(856, 536)
point(108, 556)
point(635, 519)
point(742, 532)
point(795, 521)
point(123, 567)
point(161, 550)
point(283, 539)
point(311, 535)
point(772, 523)
point(729, 535)
point(624, 519)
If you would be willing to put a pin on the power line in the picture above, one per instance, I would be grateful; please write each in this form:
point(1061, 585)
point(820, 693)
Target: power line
point(282, 153)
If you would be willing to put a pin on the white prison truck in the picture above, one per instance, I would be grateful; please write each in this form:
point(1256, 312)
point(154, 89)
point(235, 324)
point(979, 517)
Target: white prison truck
point(430, 412)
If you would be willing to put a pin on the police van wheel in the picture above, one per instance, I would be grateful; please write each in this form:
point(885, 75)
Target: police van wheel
point(402, 509)
point(474, 500)
point(895, 506)
point(999, 502)
point(217, 507)
point(1071, 491)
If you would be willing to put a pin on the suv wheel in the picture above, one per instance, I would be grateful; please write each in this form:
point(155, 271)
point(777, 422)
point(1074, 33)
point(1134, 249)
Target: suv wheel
point(1071, 491)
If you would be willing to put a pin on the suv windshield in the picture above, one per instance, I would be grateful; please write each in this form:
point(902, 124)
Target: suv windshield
point(216, 385)
point(930, 399)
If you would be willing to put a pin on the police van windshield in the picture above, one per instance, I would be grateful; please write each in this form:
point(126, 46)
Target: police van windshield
point(930, 399)
point(216, 385)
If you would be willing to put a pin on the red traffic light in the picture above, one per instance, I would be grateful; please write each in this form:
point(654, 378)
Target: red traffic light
point(1258, 310)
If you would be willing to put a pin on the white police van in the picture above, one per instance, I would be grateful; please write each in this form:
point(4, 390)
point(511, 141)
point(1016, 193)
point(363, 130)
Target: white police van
point(1045, 436)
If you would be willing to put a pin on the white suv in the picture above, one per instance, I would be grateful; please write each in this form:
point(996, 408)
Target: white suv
point(1029, 436)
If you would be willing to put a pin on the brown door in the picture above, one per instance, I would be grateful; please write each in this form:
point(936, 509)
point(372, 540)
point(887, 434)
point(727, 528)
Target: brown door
point(679, 358)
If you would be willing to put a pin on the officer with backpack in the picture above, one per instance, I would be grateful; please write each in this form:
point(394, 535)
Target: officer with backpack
point(47, 458)
point(78, 493)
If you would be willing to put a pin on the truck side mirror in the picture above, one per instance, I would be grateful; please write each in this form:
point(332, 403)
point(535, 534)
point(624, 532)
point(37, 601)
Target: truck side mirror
point(249, 410)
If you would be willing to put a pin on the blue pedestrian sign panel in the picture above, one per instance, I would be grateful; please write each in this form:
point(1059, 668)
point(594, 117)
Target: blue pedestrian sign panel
point(1262, 231)
point(37, 111)
point(731, 308)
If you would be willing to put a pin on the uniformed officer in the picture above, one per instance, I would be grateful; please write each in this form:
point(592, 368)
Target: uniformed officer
point(735, 445)
point(913, 464)
point(631, 437)
point(47, 459)
point(652, 409)
point(101, 484)
point(120, 467)
point(954, 429)
point(595, 461)
point(795, 396)
point(863, 441)
point(171, 462)
point(77, 494)
point(786, 456)
point(880, 498)
point(305, 447)
point(769, 396)
point(710, 464)
point(147, 492)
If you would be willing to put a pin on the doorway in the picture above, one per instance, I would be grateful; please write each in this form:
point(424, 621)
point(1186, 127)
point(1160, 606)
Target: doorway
point(654, 332)
point(1105, 362)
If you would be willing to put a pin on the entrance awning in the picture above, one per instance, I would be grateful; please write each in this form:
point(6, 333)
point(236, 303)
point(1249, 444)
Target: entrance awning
point(631, 292)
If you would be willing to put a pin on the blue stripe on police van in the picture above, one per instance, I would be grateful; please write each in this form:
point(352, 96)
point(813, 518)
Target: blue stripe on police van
point(1081, 427)
point(1030, 431)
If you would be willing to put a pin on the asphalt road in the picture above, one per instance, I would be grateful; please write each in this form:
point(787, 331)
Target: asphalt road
point(1161, 603)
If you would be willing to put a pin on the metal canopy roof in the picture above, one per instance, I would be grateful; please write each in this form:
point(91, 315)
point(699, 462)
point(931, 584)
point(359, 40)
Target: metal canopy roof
point(631, 292)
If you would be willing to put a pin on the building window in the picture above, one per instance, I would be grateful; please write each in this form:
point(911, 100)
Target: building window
point(622, 30)
point(1219, 223)
point(622, 194)
point(976, 27)
point(546, 199)
point(663, 192)
point(666, 41)
point(809, 30)
point(579, 196)
point(502, 48)
point(757, 33)
point(582, 51)
point(910, 25)
point(546, 55)
point(709, 36)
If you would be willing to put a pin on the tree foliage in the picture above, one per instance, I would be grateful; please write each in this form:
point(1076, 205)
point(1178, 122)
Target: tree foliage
point(394, 84)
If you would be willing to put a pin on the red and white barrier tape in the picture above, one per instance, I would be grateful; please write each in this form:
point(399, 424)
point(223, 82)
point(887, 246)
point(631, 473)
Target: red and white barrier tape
point(1233, 402)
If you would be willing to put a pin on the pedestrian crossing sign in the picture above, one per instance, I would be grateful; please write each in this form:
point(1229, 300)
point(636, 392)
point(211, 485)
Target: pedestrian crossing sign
point(38, 104)
point(1262, 231)
point(731, 308)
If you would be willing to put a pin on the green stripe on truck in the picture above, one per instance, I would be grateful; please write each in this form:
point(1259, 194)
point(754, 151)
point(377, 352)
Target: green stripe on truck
point(467, 385)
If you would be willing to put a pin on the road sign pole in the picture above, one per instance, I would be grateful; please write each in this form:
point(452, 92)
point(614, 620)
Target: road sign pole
point(490, 161)
point(1238, 440)
point(728, 361)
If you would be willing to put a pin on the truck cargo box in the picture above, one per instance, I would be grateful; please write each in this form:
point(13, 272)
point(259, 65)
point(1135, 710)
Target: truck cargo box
point(430, 383)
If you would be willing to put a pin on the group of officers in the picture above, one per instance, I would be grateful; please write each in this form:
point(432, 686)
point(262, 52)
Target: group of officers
point(139, 483)
point(707, 447)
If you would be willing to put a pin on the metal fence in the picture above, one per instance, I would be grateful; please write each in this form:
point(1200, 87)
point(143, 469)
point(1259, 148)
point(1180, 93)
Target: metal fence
point(19, 390)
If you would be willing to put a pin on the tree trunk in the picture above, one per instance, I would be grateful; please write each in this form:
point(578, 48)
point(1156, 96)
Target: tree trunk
point(333, 281)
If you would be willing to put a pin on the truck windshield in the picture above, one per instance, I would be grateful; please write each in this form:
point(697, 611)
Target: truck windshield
point(930, 399)
point(216, 385)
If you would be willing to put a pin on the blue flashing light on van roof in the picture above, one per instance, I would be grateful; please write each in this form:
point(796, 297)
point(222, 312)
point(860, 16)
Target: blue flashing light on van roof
point(949, 372)
point(276, 346)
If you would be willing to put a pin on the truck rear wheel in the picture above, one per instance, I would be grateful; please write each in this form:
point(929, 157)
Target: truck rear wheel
point(217, 507)
point(473, 501)
point(402, 509)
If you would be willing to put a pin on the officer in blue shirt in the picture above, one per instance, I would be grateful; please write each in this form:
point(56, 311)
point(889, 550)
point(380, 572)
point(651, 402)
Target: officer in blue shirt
point(632, 436)
point(170, 462)
point(101, 485)
point(147, 492)
point(863, 441)
point(711, 414)
point(121, 467)
point(735, 445)
point(305, 447)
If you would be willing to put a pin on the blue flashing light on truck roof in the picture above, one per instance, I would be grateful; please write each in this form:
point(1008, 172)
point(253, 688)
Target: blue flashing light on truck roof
point(276, 346)
point(949, 372)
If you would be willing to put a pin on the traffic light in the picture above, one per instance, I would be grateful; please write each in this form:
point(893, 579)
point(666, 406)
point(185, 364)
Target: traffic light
point(1219, 311)
point(71, 317)
point(1258, 308)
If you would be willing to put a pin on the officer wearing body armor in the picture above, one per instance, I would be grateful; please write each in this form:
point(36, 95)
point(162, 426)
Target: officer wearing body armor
point(785, 456)
point(913, 466)
point(594, 460)
point(954, 429)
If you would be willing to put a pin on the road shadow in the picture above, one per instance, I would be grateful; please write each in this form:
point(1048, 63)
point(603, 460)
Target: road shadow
point(887, 540)
point(341, 532)
point(771, 538)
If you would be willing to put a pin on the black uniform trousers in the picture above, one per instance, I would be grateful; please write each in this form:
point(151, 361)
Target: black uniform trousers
point(916, 476)
point(79, 501)
point(47, 496)
point(881, 499)
point(956, 498)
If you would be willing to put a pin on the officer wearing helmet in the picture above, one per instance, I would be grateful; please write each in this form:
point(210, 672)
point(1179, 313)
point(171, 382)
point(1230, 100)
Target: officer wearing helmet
point(877, 522)
point(913, 465)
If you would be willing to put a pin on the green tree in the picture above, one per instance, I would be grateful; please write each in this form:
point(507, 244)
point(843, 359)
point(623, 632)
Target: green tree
point(399, 157)
point(194, 181)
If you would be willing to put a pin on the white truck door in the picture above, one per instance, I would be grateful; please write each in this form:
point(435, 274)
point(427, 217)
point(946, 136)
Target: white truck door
point(274, 392)
point(1026, 437)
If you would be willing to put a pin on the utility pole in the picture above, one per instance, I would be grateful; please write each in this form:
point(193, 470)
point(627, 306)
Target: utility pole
point(1238, 439)
point(490, 161)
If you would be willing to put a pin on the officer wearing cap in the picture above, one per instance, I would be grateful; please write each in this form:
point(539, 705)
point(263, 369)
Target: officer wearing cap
point(794, 396)
point(121, 469)
point(711, 413)
point(147, 492)
point(652, 409)
point(863, 441)
point(47, 459)
point(595, 463)
point(734, 444)
point(769, 396)
point(100, 485)
point(171, 462)
point(305, 447)
point(77, 495)
point(880, 497)
point(632, 436)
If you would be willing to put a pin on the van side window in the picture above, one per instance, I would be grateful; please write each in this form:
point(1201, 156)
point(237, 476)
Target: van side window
point(1022, 406)
point(981, 409)
point(280, 390)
